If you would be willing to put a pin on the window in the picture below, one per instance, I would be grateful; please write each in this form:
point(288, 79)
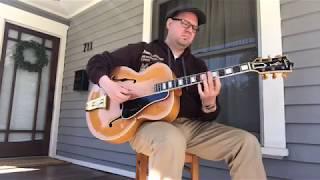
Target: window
point(228, 38)
point(258, 34)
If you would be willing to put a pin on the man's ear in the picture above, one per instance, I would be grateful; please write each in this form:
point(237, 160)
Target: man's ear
point(169, 21)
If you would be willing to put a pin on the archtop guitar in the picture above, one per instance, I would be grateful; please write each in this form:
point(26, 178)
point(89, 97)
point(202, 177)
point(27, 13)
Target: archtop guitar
point(158, 96)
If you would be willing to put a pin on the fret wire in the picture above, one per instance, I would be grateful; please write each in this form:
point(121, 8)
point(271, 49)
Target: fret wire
point(188, 79)
point(236, 69)
point(179, 82)
point(221, 72)
point(176, 83)
point(172, 83)
point(184, 81)
point(198, 77)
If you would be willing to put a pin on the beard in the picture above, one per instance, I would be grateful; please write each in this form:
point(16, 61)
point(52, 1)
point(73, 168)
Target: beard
point(184, 42)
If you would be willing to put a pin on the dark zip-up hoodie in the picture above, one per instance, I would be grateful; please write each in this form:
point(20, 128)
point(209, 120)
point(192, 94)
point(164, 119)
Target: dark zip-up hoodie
point(141, 55)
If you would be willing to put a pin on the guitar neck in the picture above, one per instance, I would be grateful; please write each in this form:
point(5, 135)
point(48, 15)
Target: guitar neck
point(196, 78)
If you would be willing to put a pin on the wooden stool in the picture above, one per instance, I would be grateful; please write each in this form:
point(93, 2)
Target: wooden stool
point(142, 166)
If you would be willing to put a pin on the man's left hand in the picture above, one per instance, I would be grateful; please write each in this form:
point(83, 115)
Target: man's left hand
point(210, 90)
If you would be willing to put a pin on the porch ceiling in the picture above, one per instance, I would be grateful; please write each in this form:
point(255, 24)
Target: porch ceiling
point(64, 8)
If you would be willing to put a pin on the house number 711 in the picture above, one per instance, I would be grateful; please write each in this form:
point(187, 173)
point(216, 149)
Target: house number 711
point(87, 46)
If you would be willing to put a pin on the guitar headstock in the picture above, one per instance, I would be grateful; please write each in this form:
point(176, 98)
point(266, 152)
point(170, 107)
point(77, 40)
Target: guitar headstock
point(279, 65)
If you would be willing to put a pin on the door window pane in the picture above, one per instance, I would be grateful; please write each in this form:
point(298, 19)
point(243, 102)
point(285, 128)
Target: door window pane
point(25, 95)
point(29, 37)
point(13, 34)
point(2, 135)
point(39, 136)
point(6, 86)
point(43, 95)
point(19, 137)
point(48, 43)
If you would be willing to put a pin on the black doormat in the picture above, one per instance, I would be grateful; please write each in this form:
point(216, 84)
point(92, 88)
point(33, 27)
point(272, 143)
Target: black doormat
point(30, 161)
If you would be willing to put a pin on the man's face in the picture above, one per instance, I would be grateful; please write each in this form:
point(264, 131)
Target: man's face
point(183, 28)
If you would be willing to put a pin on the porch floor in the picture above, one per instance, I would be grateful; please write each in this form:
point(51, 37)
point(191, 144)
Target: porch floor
point(56, 172)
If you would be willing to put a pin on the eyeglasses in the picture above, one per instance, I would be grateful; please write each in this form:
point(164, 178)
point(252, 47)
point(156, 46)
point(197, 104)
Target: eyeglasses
point(186, 24)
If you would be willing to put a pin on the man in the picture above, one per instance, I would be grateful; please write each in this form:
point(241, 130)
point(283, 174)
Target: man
point(193, 131)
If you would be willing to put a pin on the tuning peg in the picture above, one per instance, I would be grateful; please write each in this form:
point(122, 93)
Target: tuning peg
point(269, 58)
point(274, 75)
point(265, 76)
point(258, 59)
point(285, 75)
point(279, 57)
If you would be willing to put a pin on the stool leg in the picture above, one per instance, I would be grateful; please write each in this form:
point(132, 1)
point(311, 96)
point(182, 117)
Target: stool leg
point(142, 166)
point(195, 168)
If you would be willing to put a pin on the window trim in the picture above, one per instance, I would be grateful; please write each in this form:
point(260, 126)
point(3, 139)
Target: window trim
point(272, 114)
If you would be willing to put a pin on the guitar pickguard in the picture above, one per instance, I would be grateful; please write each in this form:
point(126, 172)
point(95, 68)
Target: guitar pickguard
point(133, 107)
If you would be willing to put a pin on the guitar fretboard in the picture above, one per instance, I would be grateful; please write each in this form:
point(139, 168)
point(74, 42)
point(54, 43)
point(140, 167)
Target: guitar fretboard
point(196, 78)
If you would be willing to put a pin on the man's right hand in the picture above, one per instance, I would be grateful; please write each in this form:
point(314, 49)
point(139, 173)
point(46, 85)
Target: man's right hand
point(115, 91)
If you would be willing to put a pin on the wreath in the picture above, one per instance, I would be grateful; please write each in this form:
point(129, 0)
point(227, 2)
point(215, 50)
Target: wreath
point(40, 52)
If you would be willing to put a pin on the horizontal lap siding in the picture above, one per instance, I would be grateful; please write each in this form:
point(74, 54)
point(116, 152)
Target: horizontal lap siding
point(301, 42)
point(109, 25)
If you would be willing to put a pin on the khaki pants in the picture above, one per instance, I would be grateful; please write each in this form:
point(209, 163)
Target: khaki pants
point(166, 144)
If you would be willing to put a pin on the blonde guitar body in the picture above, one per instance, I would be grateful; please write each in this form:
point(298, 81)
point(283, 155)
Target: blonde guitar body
point(107, 122)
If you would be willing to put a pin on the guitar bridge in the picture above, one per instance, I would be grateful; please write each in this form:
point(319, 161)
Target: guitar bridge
point(98, 103)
